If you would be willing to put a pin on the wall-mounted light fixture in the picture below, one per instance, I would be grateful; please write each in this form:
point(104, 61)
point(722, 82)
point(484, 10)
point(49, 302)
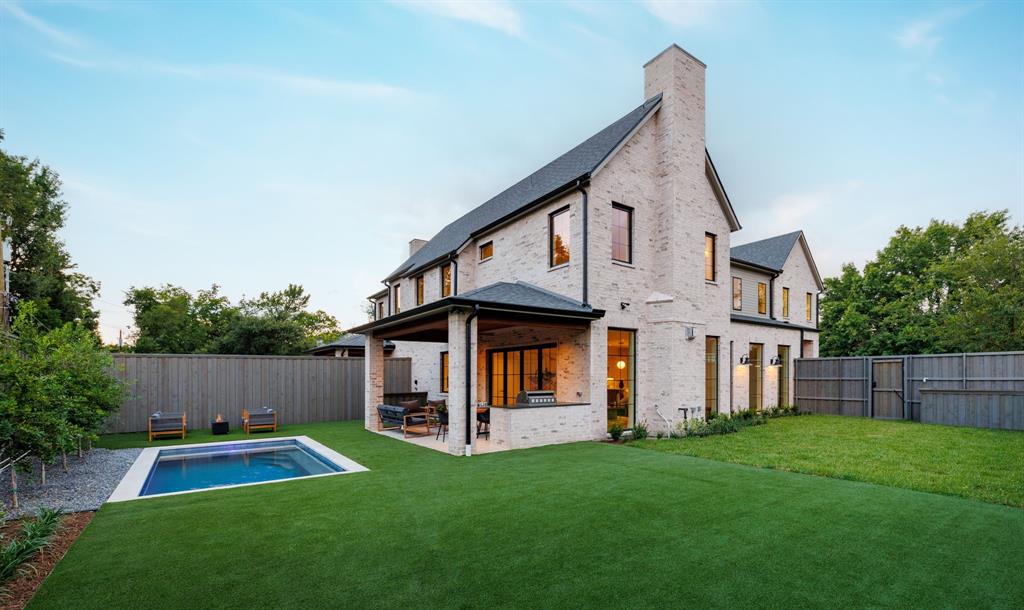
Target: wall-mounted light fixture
point(775, 361)
point(621, 364)
point(745, 359)
point(623, 305)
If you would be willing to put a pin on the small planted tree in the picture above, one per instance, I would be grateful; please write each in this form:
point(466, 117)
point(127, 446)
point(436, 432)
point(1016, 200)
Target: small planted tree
point(55, 389)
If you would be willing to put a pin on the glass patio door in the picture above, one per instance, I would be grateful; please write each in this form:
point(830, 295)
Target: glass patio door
point(784, 377)
point(756, 376)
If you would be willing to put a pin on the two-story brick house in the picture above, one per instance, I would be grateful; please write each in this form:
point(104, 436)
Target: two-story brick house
point(606, 277)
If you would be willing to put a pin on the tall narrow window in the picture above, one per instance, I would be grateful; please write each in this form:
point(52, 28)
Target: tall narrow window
point(710, 376)
point(762, 297)
point(446, 280)
point(785, 302)
point(444, 372)
point(621, 377)
point(756, 375)
point(487, 251)
point(559, 240)
point(737, 293)
point(709, 257)
point(784, 377)
point(398, 298)
point(807, 306)
point(419, 290)
point(622, 233)
point(380, 310)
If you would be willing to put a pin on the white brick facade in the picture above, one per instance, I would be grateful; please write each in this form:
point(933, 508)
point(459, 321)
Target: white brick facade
point(662, 172)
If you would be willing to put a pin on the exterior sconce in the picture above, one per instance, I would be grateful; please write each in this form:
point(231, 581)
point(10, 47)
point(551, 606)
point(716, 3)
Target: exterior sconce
point(745, 359)
point(621, 364)
point(775, 361)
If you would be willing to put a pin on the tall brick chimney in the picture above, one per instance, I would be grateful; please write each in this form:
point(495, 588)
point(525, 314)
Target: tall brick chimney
point(415, 245)
point(680, 174)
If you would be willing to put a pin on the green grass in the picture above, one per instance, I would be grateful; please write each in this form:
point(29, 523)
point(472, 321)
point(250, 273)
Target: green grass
point(582, 525)
point(969, 462)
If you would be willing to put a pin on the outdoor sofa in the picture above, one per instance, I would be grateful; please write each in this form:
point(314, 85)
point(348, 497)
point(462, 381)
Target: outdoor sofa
point(408, 416)
point(263, 418)
point(167, 424)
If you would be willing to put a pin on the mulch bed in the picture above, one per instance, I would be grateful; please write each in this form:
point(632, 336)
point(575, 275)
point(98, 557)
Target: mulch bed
point(22, 588)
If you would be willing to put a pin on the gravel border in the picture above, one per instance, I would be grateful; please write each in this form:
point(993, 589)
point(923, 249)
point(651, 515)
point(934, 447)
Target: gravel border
point(91, 480)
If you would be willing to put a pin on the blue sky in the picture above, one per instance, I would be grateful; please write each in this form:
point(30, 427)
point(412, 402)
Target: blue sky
point(253, 145)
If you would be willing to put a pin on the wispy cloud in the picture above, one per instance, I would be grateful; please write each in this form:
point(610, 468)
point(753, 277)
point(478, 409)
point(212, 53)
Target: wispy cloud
point(684, 14)
point(53, 33)
point(297, 82)
point(924, 34)
point(498, 14)
point(791, 209)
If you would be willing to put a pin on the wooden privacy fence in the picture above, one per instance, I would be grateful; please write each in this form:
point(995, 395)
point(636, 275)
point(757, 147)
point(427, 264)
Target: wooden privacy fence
point(893, 387)
point(302, 388)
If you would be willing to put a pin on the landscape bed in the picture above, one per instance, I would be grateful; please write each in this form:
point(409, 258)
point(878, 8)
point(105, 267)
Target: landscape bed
point(581, 525)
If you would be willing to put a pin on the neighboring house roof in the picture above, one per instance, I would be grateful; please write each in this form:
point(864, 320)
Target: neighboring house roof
point(518, 297)
point(772, 253)
point(577, 164)
point(383, 292)
point(736, 317)
point(348, 342)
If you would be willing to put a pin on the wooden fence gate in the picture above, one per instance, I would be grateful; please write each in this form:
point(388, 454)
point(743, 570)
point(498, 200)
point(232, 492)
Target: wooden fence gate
point(887, 389)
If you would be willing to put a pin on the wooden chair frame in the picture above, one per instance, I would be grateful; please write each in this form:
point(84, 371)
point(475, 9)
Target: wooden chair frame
point(248, 428)
point(183, 430)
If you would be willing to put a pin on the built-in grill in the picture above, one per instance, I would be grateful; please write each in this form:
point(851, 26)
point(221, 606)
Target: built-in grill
point(535, 397)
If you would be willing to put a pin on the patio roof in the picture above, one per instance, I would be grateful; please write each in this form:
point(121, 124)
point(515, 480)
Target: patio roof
point(501, 305)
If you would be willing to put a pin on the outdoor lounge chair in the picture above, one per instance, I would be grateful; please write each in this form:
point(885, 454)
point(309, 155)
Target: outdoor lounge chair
point(409, 416)
point(167, 424)
point(263, 418)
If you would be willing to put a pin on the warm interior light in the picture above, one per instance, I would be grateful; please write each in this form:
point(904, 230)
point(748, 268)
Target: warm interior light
point(621, 364)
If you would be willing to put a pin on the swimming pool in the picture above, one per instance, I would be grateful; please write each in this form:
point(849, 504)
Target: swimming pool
point(200, 467)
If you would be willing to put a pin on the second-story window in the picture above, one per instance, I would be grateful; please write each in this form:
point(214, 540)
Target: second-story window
point(419, 290)
point(709, 257)
point(487, 251)
point(808, 306)
point(737, 293)
point(380, 309)
point(559, 240)
point(398, 298)
point(622, 233)
point(785, 302)
point(762, 298)
point(446, 280)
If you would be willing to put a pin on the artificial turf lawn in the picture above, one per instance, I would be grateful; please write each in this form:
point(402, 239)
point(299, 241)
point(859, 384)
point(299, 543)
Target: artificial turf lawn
point(970, 462)
point(581, 525)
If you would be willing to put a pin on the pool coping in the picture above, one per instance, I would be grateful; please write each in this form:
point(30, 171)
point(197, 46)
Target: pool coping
point(133, 481)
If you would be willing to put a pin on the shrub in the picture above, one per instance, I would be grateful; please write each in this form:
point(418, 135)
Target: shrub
point(35, 535)
point(640, 431)
point(616, 432)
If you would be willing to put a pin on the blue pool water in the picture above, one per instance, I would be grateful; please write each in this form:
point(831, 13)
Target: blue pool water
point(233, 464)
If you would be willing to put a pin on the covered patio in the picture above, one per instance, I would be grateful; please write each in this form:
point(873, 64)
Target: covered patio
point(503, 339)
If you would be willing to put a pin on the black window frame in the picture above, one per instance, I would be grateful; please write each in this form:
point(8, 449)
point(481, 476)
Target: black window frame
point(714, 257)
point(446, 267)
point(489, 256)
point(629, 231)
point(551, 237)
point(379, 309)
point(445, 362)
point(397, 298)
point(708, 400)
point(762, 303)
point(785, 302)
point(522, 349)
point(421, 290)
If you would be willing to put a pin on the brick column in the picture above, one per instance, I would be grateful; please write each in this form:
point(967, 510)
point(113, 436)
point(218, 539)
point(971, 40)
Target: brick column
point(457, 382)
point(374, 379)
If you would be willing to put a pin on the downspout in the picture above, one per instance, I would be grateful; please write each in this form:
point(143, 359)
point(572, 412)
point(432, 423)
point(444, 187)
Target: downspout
point(455, 274)
point(583, 191)
point(469, 379)
point(802, 343)
point(732, 382)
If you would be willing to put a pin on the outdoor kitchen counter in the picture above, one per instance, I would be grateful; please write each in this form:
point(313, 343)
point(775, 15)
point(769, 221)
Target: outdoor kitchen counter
point(521, 426)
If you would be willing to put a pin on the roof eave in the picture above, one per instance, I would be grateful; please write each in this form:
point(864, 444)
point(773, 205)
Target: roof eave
point(749, 265)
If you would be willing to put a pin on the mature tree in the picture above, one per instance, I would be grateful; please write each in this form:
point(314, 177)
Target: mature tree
point(169, 319)
point(31, 214)
point(940, 288)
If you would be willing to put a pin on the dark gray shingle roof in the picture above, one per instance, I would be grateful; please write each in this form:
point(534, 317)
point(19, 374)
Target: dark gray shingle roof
point(522, 294)
point(573, 165)
point(771, 253)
